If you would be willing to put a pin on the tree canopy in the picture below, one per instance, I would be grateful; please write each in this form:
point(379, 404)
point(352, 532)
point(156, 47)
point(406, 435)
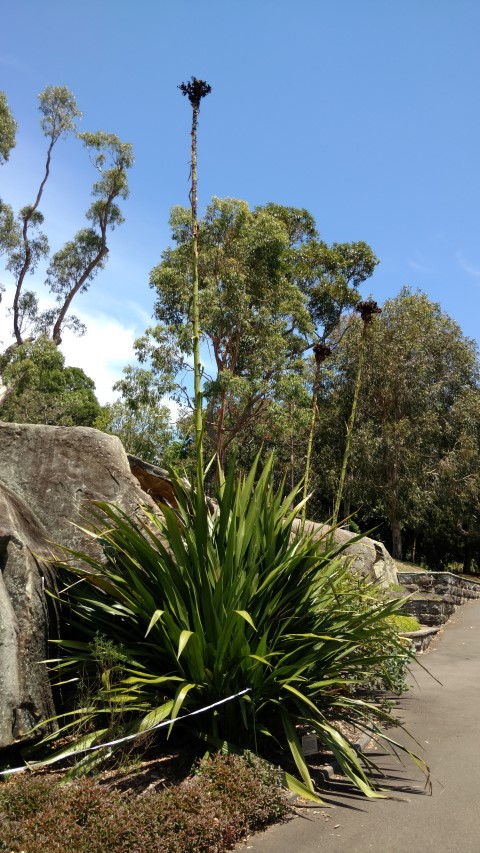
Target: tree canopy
point(72, 268)
point(8, 129)
point(146, 432)
point(260, 313)
point(43, 389)
point(420, 374)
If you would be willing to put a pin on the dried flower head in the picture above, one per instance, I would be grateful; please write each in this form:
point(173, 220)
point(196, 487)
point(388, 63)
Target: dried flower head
point(321, 352)
point(195, 90)
point(367, 310)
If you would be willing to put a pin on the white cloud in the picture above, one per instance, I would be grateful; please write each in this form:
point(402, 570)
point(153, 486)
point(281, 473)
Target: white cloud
point(173, 407)
point(414, 265)
point(102, 352)
point(466, 266)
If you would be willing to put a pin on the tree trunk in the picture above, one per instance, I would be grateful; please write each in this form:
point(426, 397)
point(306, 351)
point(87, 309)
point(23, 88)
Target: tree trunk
point(467, 558)
point(397, 550)
point(5, 391)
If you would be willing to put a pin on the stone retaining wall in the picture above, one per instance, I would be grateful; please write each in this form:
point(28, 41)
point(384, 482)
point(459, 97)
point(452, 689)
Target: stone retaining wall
point(421, 639)
point(458, 588)
point(437, 595)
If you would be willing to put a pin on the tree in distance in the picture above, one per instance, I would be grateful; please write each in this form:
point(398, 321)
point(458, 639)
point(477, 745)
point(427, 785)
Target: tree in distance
point(44, 391)
point(73, 267)
point(146, 432)
point(8, 129)
point(420, 372)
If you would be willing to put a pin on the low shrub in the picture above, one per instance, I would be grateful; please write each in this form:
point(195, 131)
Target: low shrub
point(228, 797)
point(405, 624)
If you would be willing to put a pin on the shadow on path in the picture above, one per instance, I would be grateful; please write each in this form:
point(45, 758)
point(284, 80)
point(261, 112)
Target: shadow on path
point(443, 715)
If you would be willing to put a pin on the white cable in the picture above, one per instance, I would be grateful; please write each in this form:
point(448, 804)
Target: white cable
point(64, 755)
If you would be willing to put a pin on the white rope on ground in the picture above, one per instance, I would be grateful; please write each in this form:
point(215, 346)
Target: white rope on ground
point(34, 764)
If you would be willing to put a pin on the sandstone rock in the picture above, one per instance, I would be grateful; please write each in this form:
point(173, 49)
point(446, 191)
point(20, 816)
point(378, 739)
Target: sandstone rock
point(153, 480)
point(47, 477)
point(25, 695)
point(369, 557)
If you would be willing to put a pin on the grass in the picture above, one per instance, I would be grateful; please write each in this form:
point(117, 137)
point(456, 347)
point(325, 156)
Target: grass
point(227, 797)
point(403, 566)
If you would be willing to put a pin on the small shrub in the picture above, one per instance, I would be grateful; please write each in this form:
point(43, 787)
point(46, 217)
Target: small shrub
point(250, 784)
point(228, 797)
point(404, 624)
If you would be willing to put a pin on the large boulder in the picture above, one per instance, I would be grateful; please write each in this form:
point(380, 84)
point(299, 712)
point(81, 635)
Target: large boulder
point(48, 475)
point(367, 556)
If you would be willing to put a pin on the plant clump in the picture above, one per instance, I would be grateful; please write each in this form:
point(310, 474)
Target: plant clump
point(229, 617)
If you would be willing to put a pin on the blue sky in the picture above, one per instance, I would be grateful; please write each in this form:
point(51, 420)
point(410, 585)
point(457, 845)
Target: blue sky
point(366, 112)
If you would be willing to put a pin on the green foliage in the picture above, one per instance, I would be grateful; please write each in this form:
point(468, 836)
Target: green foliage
point(43, 389)
point(59, 112)
point(146, 432)
point(389, 672)
point(406, 624)
point(414, 448)
point(246, 306)
point(268, 289)
point(207, 606)
point(72, 268)
point(9, 230)
point(329, 277)
point(229, 797)
point(8, 129)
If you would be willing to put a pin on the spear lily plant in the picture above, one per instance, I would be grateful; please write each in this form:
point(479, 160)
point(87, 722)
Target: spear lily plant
point(204, 606)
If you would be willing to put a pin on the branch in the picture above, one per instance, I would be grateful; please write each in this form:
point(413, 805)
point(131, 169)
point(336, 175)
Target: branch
point(28, 253)
point(102, 252)
point(57, 329)
point(5, 391)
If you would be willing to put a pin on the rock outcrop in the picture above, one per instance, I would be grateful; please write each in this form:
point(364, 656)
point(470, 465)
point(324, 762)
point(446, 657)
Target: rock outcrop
point(368, 557)
point(47, 477)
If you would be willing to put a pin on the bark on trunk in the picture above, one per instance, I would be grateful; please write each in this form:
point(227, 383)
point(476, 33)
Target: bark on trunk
point(467, 558)
point(397, 549)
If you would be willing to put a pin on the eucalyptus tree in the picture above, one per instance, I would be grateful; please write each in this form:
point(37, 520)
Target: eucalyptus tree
point(367, 311)
point(261, 308)
point(452, 534)
point(146, 431)
point(72, 268)
point(8, 129)
point(253, 319)
point(418, 368)
point(43, 390)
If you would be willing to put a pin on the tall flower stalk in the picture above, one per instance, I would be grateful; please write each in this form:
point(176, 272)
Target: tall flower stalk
point(195, 90)
point(367, 311)
point(321, 352)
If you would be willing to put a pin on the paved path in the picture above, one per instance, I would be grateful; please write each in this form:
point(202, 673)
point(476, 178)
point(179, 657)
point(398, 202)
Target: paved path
point(445, 720)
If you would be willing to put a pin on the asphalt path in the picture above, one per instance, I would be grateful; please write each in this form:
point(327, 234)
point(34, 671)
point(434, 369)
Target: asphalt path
point(445, 721)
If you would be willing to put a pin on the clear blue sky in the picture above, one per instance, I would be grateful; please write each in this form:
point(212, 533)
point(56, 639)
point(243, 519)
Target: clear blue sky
point(366, 112)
